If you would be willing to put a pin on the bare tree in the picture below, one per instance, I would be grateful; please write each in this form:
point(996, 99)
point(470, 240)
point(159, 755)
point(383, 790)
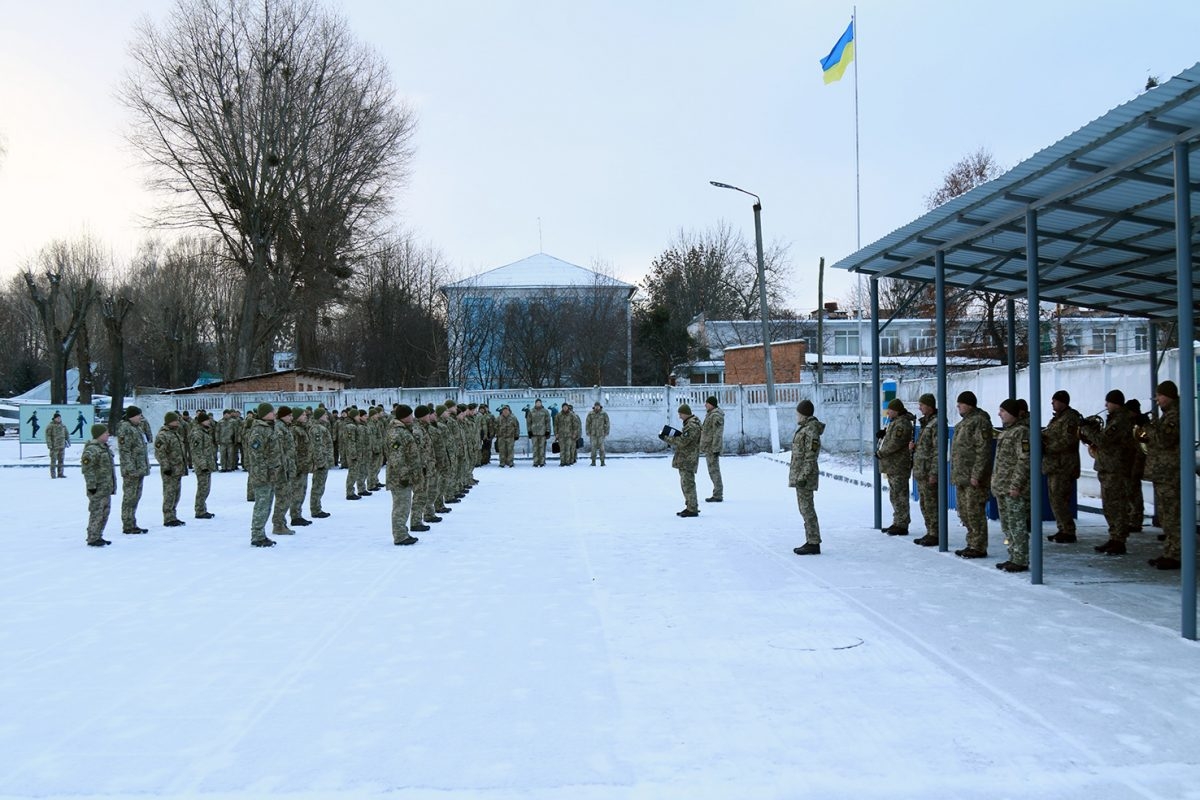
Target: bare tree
point(62, 297)
point(114, 309)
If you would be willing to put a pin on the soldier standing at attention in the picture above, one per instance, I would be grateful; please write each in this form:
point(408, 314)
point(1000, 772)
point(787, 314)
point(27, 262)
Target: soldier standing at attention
point(925, 468)
point(538, 427)
point(322, 455)
point(435, 462)
point(1137, 468)
point(204, 460)
point(251, 416)
point(135, 466)
point(185, 431)
point(1010, 484)
point(302, 437)
point(712, 438)
point(971, 472)
point(896, 462)
point(56, 443)
point(1162, 467)
point(403, 466)
point(597, 431)
point(286, 477)
point(686, 459)
point(264, 467)
point(349, 452)
point(805, 476)
point(1060, 463)
point(420, 477)
point(377, 425)
point(100, 481)
point(225, 440)
point(568, 435)
point(168, 449)
point(1114, 446)
point(508, 430)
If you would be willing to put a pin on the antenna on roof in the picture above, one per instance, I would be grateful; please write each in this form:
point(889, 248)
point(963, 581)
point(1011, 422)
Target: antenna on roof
point(540, 250)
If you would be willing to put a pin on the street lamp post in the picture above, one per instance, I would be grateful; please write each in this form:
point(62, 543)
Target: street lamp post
point(773, 418)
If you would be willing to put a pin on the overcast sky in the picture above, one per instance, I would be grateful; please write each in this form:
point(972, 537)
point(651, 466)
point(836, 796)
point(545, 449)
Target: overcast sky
point(607, 119)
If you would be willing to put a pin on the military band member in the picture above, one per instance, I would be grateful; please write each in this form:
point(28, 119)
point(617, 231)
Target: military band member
point(971, 472)
point(1060, 464)
point(1112, 446)
point(925, 468)
point(1137, 467)
point(1162, 467)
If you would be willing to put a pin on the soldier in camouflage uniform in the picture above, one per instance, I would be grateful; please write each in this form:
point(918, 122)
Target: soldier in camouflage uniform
point(925, 468)
point(597, 428)
point(487, 432)
point(1010, 484)
point(366, 458)
point(537, 425)
point(304, 465)
point(100, 481)
point(569, 429)
point(1137, 468)
point(687, 458)
point(434, 458)
point(336, 423)
point(349, 452)
point(203, 446)
point(896, 463)
point(225, 440)
point(508, 430)
point(1113, 447)
point(322, 455)
point(265, 465)
point(466, 449)
point(1060, 464)
point(712, 440)
point(377, 425)
point(286, 478)
point(421, 477)
point(971, 472)
point(450, 437)
point(168, 449)
point(251, 416)
point(805, 476)
point(56, 443)
point(135, 466)
point(403, 470)
point(185, 432)
point(1162, 467)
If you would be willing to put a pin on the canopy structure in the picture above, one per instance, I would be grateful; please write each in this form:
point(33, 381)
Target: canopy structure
point(1101, 219)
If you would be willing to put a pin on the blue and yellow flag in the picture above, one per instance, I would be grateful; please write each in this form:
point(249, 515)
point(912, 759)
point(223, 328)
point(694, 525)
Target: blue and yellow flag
point(834, 64)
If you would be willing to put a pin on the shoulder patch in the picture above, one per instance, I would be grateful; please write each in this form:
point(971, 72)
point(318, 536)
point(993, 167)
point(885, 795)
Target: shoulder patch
point(256, 444)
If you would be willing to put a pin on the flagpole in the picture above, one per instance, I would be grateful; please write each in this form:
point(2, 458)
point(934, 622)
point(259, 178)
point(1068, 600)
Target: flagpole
point(862, 412)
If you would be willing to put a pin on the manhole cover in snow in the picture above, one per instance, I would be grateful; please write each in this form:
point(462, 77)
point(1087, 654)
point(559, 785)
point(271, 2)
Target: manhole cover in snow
point(814, 640)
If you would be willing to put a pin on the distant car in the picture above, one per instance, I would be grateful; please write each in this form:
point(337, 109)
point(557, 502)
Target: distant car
point(10, 419)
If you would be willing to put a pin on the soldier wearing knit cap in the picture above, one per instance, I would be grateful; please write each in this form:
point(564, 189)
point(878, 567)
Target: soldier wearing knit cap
point(322, 459)
point(1162, 467)
point(302, 437)
point(404, 472)
point(135, 466)
point(168, 449)
point(1112, 446)
point(264, 467)
point(895, 462)
point(56, 442)
point(805, 476)
point(286, 477)
point(1010, 483)
point(686, 458)
point(1060, 464)
point(350, 451)
point(712, 440)
point(203, 448)
point(421, 477)
point(100, 482)
point(971, 473)
point(925, 468)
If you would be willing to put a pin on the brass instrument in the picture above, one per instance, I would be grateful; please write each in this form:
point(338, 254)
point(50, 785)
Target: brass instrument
point(1087, 423)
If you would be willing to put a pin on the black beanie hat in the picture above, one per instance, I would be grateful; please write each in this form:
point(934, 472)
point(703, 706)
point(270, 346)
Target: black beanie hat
point(421, 411)
point(805, 407)
point(132, 412)
point(403, 411)
point(1062, 396)
point(1012, 407)
point(1168, 389)
point(1115, 396)
point(968, 398)
point(712, 400)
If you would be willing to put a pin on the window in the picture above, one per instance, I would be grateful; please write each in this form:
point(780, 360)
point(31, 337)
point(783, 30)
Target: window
point(1104, 340)
point(1141, 339)
point(845, 343)
point(889, 344)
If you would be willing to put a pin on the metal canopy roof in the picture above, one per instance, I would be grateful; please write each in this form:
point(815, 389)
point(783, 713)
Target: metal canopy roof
point(1104, 197)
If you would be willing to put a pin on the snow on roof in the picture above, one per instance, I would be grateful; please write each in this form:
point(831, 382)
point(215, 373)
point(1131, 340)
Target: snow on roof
point(538, 271)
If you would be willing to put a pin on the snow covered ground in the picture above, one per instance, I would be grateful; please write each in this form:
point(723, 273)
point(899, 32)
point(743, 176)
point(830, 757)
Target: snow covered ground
point(562, 634)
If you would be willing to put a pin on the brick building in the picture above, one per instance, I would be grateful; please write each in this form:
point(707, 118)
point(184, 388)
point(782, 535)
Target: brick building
point(746, 364)
point(287, 380)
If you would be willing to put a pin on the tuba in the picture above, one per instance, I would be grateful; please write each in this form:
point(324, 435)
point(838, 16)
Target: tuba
point(1094, 422)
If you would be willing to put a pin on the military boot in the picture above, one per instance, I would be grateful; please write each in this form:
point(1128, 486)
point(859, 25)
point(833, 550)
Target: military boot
point(1113, 547)
point(807, 549)
point(263, 542)
point(418, 528)
point(321, 514)
point(928, 540)
point(301, 521)
point(284, 531)
point(897, 530)
point(1063, 538)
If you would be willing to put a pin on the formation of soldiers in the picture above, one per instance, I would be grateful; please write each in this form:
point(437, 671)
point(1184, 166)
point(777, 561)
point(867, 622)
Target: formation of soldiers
point(1127, 445)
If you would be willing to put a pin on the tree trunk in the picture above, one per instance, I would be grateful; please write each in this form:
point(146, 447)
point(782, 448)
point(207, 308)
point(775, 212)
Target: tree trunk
point(114, 312)
point(83, 362)
point(247, 333)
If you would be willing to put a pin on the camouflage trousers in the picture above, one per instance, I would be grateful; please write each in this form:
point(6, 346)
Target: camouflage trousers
point(249, 490)
point(299, 490)
point(264, 495)
point(687, 482)
point(598, 448)
point(420, 499)
point(56, 462)
point(402, 498)
point(365, 480)
point(351, 477)
point(972, 512)
point(567, 451)
point(203, 487)
point(928, 494)
point(98, 508)
point(320, 474)
point(506, 451)
point(373, 471)
point(1014, 522)
point(229, 457)
point(1114, 498)
point(131, 495)
point(898, 485)
point(171, 487)
point(1137, 505)
point(539, 450)
point(1059, 488)
point(283, 501)
point(485, 452)
point(808, 514)
point(713, 460)
point(1166, 497)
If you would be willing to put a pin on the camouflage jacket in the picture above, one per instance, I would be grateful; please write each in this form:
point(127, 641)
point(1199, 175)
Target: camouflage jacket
point(1162, 448)
point(56, 436)
point(225, 428)
point(262, 446)
point(487, 426)
point(351, 435)
point(971, 449)
point(1114, 442)
point(687, 445)
point(302, 436)
point(322, 446)
point(404, 467)
point(925, 456)
point(375, 434)
point(508, 427)
point(131, 446)
point(426, 433)
point(203, 447)
point(1060, 444)
point(99, 477)
point(569, 427)
point(1012, 460)
point(894, 456)
point(168, 449)
point(538, 423)
point(803, 472)
point(287, 450)
point(597, 424)
point(712, 436)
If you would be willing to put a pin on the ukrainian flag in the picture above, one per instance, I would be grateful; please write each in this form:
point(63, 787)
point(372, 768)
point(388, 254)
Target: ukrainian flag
point(834, 64)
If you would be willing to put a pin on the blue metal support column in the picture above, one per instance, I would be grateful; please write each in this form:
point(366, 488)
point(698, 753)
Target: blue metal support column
point(1152, 344)
point(877, 391)
point(1010, 306)
point(1187, 389)
point(1034, 342)
point(943, 477)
